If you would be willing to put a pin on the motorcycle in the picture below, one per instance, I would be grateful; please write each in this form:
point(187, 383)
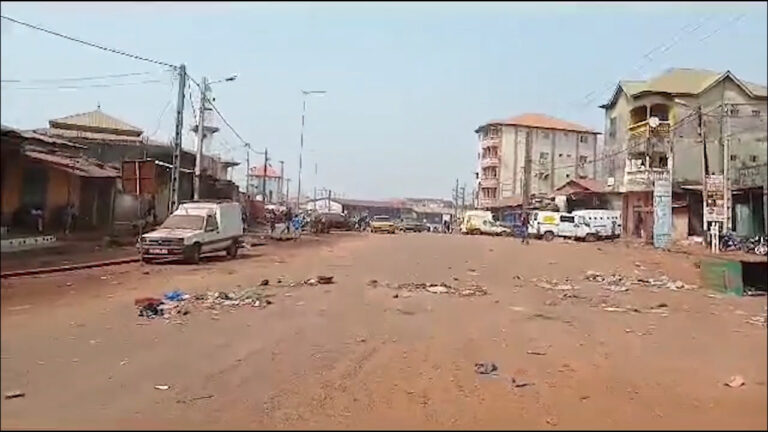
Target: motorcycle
point(729, 242)
point(756, 245)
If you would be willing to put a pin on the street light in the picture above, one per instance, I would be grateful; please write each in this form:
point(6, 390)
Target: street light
point(304, 94)
point(204, 88)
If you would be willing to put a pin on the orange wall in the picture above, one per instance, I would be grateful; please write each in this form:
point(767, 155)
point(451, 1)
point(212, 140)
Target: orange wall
point(11, 193)
point(61, 185)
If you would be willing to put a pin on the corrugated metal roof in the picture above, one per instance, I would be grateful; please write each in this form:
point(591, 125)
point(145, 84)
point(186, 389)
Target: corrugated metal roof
point(10, 131)
point(367, 203)
point(95, 121)
point(683, 81)
point(79, 166)
point(543, 121)
point(589, 185)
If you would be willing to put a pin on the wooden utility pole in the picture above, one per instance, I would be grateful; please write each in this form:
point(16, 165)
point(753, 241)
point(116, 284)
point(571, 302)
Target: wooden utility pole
point(282, 178)
point(248, 171)
point(726, 170)
point(174, 198)
point(200, 137)
point(704, 165)
point(463, 197)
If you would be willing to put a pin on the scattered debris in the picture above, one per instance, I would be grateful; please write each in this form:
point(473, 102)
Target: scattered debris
point(552, 421)
point(162, 387)
point(324, 280)
point(13, 394)
point(485, 368)
point(373, 283)
point(474, 289)
point(534, 352)
point(178, 303)
point(759, 320)
point(614, 309)
point(265, 282)
point(18, 308)
point(176, 296)
point(310, 282)
point(735, 381)
point(196, 398)
point(517, 384)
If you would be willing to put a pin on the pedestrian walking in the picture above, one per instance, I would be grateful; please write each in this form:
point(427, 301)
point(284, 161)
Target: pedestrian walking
point(524, 224)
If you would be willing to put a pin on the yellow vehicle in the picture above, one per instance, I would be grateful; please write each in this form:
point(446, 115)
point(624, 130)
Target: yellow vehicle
point(383, 224)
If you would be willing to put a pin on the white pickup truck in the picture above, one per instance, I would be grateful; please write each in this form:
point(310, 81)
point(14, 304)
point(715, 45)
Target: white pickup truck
point(194, 229)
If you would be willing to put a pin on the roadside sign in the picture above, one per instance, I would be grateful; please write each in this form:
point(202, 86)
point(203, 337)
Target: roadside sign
point(662, 213)
point(714, 202)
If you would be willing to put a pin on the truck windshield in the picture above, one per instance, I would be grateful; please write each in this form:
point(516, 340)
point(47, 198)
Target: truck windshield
point(189, 222)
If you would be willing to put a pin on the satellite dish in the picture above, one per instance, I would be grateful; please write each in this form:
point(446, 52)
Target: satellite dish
point(653, 122)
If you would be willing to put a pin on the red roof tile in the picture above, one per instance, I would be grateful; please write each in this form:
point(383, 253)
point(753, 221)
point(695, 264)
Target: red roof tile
point(543, 121)
point(258, 171)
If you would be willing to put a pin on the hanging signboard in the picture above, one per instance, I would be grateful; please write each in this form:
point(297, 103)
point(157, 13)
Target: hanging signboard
point(662, 213)
point(714, 202)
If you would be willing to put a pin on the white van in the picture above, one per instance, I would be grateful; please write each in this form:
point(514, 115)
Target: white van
point(473, 221)
point(604, 223)
point(544, 224)
point(548, 225)
point(194, 229)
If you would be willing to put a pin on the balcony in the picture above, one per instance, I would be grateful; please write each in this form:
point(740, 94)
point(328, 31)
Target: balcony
point(489, 162)
point(641, 135)
point(490, 142)
point(643, 179)
point(489, 182)
point(486, 202)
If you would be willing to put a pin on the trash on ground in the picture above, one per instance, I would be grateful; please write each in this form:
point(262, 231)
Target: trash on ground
point(264, 282)
point(373, 283)
point(13, 394)
point(176, 295)
point(162, 387)
point(534, 352)
point(473, 288)
point(518, 384)
point(485, 368)
point(735, 381)
point(18, 308)
point(324, 280)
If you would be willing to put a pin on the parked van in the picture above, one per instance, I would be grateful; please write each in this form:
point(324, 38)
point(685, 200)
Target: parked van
point(194, 229)
point(544, 224)
point(604, 223)
point(547, 225)
point(473, 221)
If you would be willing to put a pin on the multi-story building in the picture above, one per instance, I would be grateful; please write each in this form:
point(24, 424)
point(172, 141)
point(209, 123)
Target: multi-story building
point(653, 125)
point(533, 154)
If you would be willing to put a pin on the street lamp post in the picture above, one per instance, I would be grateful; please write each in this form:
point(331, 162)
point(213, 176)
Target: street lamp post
point(204, 88)
point(304, 93)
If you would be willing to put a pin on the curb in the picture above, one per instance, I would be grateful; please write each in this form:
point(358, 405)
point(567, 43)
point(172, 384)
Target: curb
point(45, 270)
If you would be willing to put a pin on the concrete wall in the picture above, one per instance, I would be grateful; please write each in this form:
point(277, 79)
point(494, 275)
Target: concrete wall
point(548, 174)
point(679, 223)
point(11, 189)
point(63, 188)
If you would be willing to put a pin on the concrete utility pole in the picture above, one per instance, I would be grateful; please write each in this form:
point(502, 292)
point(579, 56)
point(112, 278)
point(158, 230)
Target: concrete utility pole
point(304, 93)
point(280, 182)
point(314, 194)
point(704, 165)
point(287, 191)
point(456, 200)
point(527, 171)
point(264, 178)
point(248, 171)
point(463, 197)
point(726, 169)
point(200, 136)
point(174, 198)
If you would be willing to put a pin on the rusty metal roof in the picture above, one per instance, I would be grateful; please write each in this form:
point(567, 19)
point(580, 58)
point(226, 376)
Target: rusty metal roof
point(95, 121)
point(543, 121)
point(80, 166)
point(10, 131)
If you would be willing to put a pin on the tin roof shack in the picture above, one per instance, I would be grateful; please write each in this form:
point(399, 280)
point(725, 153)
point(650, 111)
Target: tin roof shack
point(113, 141)
point(353, 207)
point(40, 172)
point(583, 194)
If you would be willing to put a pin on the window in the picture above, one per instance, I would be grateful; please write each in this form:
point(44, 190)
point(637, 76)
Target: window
point(560, 155)
point(211, 224)
point(733, 111)
point(753, 158)
point(567, 175)
point(582, 160)
point(612, 127)
point(756, 113)
point(544, 156)
point(582, 138)
point(570, 155)
point(733, 158)
point(544, 135)
point(567, 218)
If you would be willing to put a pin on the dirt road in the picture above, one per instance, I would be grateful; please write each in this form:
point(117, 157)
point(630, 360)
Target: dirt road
point(350, 355)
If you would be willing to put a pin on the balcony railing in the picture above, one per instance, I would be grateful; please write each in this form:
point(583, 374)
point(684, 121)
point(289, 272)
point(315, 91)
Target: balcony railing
point(489, 162)
point(490, 142)
point(486, 202)
point(643, 179)
point(489, 182)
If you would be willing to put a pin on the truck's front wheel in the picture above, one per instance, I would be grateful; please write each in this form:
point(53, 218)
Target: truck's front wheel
point(193, 254)
point(549, 235)
point(232, 250)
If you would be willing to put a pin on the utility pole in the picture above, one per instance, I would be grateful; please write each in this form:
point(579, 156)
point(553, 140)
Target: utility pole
point(463, 198)
point(248, 171)
point(704, 165)
point(456, 200)
point(200, 136)
point(314, 193)
point(329, 200)
point(527, 171)
point(282, 178)
point(264, 178)
point(287, 191)
point(727, 169)
point(174, 198)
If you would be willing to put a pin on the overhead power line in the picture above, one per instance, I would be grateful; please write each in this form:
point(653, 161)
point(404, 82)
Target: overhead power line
point(89, 78)
point(90, 44)
point(86, 86)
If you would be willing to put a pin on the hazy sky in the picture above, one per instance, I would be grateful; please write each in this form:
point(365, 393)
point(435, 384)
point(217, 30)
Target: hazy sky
point(407, 82)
